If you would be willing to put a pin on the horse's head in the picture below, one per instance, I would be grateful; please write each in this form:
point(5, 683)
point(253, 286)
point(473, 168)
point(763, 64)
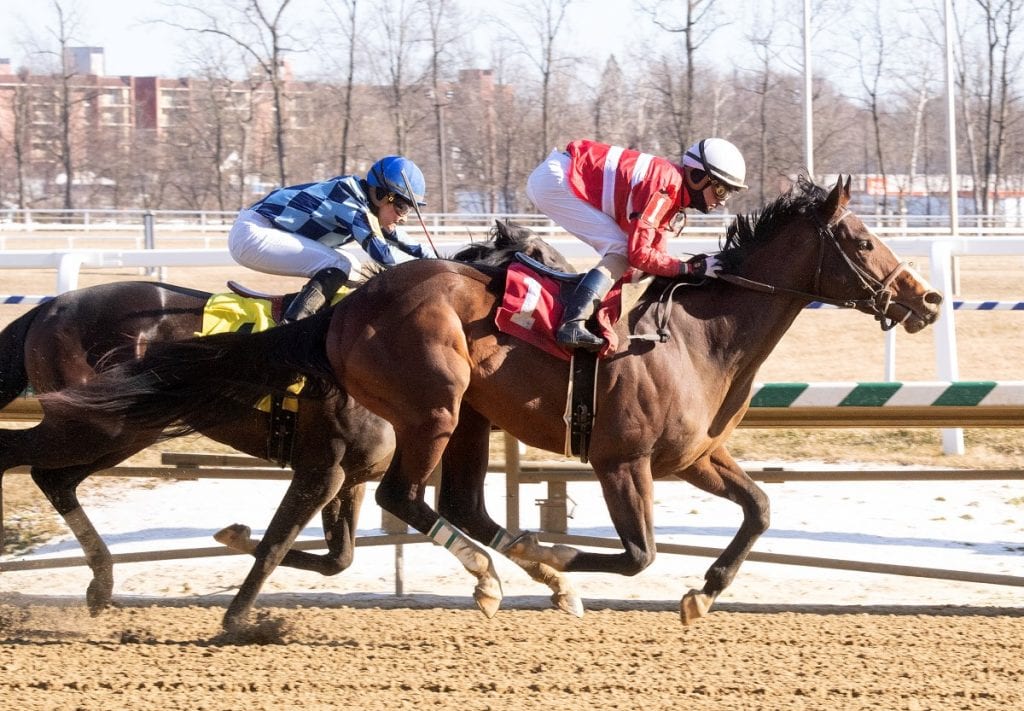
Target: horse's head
point(869, 271)
point(831, 256)
point(507, 238)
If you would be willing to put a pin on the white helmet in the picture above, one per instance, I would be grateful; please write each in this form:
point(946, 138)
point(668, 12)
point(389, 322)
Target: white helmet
point(719, 159)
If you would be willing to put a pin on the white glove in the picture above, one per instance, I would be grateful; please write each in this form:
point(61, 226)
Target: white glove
point(712, 266)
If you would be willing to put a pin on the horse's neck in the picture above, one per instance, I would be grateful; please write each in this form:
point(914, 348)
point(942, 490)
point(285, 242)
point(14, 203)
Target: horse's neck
point(743, 327)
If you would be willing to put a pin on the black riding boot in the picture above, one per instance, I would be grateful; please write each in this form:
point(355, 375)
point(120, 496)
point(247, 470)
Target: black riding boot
point(585, 299)
point(317, 292)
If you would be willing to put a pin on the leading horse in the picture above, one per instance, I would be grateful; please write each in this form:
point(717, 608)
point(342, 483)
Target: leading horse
point(417, 345)
point(337, 444)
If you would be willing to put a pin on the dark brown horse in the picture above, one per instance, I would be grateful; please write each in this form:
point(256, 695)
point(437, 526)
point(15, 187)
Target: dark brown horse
point(338, 445)
point(417, 345)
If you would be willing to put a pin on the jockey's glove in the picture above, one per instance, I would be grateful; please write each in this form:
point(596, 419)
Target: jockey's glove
point(700, 266)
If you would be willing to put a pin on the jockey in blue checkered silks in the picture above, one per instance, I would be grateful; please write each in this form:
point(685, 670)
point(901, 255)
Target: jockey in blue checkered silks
point(297, 230)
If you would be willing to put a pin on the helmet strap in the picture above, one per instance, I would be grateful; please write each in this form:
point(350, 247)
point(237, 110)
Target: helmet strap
point(696, 190)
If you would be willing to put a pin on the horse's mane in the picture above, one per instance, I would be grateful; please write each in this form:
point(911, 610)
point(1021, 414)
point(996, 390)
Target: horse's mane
point(747, 232)
point(503, 240)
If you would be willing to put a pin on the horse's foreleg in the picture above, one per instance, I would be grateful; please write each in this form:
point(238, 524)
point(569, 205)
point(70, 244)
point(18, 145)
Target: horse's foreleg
point(309, 490)
point(461, 501)
point(339, 518)
point(721, 475)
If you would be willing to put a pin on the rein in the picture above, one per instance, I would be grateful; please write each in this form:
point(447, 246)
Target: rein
point(879, 296)
point(877, 302)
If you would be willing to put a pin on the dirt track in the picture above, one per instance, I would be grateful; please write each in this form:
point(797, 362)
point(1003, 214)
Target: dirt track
point(363, 655)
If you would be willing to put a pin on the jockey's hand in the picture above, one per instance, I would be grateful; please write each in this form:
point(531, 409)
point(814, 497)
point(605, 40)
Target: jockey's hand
point(701, 266)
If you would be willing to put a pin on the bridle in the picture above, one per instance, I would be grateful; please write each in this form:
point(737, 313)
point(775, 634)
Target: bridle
point(879, 294)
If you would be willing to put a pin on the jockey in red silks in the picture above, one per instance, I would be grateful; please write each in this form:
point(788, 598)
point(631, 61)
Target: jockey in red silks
point(622, 203)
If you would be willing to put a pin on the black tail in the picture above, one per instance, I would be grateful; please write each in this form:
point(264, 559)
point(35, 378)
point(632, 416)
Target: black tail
point(188, 386)
point(13, 378)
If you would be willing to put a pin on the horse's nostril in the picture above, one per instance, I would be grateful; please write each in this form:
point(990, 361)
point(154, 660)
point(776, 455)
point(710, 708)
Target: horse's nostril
point(933, 297)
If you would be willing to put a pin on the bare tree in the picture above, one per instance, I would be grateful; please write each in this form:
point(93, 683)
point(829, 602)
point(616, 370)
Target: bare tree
point(261, 35)
point(546, 20)
point(694, 22)
point(18, 137)
point(444, 29)
point(872, 45)
point(1001, 19)
point(346, 16)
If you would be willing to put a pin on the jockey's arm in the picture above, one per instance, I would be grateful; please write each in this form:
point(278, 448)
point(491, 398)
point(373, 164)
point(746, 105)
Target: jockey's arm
point(410, 248)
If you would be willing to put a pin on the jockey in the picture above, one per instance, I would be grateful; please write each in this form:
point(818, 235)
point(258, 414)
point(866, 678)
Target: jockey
point(622, 202)
point(296, 231)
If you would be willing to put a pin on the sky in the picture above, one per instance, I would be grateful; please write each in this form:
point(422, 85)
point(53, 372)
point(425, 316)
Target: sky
point(134, 47)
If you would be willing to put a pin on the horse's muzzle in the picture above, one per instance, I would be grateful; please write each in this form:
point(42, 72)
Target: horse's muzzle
point(924, 312)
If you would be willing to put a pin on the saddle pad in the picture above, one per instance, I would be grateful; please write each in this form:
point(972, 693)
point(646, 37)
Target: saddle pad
point(531, 311)
point(228, 313)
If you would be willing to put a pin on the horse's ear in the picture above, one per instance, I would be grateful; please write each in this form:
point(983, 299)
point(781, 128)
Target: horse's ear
point(837, 201)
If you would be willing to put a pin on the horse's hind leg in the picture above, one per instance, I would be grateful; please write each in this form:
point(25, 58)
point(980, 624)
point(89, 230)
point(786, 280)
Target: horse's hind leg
point(721, 475)
point(461, 501)
point(60, 488)
point(401, 493)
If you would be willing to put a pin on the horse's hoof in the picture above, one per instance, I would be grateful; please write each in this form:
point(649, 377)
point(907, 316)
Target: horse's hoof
point(571, 603)
point(694, 606)
point(98, 596)
point(237, 537)
point(488, 593)
point(487, 603)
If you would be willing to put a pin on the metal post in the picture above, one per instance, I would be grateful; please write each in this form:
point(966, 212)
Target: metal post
point(954, 207)
point(148, 239)
point(808, 96)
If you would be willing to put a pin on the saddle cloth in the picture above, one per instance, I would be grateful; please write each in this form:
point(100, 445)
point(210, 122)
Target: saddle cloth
point(531, 310)
point(228, 313)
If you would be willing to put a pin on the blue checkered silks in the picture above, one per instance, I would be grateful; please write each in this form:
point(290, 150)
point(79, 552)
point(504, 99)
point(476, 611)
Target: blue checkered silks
point(334, 212)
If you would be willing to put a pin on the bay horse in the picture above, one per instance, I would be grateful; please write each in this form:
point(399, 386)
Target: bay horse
point(417, 345)
point(338, 445)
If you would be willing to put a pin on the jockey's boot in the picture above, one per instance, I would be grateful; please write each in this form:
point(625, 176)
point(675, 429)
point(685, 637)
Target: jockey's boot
point(573, 332)
point(317, 292)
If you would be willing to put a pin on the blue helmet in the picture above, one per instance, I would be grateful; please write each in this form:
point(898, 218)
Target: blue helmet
point(397, 174)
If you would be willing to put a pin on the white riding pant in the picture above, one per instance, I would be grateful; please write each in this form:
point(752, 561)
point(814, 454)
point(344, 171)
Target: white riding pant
point(255, 243)
point(548, 188)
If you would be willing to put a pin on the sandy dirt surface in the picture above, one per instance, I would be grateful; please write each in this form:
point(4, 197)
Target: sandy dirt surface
point(362, 654)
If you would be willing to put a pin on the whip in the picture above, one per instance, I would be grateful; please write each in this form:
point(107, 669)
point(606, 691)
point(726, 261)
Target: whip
point(419, 215)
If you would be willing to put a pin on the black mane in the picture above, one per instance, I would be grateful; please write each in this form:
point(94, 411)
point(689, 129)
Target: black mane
point(503, 241)
point(747, 232)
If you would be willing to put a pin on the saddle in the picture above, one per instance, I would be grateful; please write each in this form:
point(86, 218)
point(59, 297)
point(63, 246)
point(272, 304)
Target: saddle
point(277, 301)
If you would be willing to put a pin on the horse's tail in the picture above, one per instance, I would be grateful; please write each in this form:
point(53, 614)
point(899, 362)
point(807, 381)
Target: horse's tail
point(13, 376)
point(188, 386)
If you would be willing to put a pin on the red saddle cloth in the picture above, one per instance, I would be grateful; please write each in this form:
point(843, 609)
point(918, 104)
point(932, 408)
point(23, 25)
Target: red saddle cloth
point(532, 309)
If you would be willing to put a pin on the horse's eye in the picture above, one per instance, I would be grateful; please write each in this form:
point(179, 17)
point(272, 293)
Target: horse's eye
point(865, 245)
